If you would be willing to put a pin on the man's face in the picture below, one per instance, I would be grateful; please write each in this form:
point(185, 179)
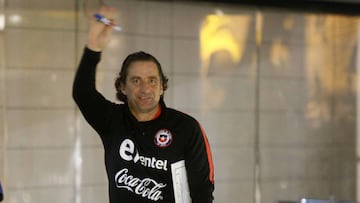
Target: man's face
point(143, 87)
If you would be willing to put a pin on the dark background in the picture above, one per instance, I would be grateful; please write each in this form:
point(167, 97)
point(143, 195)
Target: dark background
point(347, 7)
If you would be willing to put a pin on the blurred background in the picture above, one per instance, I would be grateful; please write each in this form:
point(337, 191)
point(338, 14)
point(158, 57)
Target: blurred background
point(274, 88)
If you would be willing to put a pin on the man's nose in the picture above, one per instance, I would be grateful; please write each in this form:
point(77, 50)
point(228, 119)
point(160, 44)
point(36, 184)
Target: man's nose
point(145, 86)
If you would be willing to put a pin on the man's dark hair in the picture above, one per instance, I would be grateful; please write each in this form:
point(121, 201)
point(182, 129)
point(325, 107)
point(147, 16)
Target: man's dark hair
point(134, 57)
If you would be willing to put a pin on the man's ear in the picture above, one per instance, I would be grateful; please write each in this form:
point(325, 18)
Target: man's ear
point(122, 88)
point(161, 88)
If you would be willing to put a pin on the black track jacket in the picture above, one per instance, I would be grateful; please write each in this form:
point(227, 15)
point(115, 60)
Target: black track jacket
point(138, 155)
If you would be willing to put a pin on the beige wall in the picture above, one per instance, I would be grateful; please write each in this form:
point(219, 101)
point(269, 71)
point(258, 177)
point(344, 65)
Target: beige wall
point(283, 102)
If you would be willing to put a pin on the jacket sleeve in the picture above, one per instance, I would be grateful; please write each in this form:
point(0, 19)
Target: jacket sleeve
point(199, 167)
point(94, 107)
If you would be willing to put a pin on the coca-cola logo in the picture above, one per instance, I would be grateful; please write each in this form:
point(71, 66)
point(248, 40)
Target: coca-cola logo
point(147, 187)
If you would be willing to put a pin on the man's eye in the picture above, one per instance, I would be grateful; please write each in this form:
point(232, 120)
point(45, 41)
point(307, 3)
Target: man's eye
point(135, 81)
point(153, 81)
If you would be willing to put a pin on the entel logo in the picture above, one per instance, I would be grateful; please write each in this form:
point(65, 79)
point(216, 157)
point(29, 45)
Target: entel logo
point(128, 152)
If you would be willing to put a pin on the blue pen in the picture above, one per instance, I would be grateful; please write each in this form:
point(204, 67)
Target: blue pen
point(106, 21)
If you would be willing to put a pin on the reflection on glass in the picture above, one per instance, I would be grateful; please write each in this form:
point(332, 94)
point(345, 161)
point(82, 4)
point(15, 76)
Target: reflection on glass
point(223, 33)
point(222, 40)
point(330, 56)
point(307, 67)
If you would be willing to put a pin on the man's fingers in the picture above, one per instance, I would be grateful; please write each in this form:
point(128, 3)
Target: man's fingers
point(108, 12)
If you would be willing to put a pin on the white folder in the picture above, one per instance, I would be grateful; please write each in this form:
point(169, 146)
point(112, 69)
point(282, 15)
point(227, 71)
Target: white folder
point(180, 182)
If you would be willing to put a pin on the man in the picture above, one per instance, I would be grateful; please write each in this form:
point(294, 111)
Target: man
point(144, 141)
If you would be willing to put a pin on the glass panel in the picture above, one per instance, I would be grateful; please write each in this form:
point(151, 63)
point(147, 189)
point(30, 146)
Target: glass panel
point(275, 91)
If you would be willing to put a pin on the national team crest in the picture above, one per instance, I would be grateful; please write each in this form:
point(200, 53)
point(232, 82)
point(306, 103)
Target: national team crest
point(163, 138)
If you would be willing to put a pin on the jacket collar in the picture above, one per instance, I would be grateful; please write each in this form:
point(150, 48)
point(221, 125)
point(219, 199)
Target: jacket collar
point(162, 115)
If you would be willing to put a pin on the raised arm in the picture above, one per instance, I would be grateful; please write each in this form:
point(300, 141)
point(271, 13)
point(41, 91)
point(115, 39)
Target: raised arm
point(95, 108)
